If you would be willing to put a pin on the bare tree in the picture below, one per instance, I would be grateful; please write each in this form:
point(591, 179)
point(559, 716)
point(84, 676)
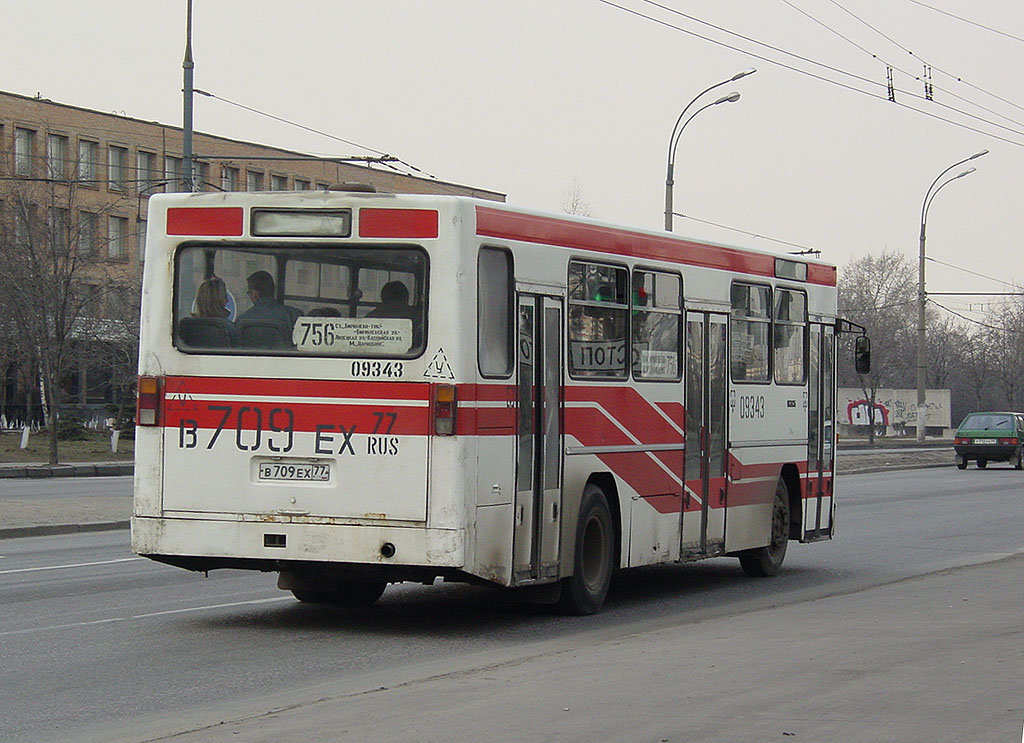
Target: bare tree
point(572, 201)
point(53, 283)
point(878, 292)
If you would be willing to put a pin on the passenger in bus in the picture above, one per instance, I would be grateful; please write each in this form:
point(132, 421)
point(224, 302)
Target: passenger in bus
point(212, 305)
point(263, 295)
point(394, 302)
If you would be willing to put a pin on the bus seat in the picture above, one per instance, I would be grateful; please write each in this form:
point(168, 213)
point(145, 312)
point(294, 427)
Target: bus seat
point(203, 332)
point(263, 333)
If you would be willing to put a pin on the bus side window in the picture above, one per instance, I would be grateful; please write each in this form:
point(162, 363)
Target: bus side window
point(494, 312)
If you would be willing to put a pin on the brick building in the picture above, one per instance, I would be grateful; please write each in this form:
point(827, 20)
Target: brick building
point(87, 175)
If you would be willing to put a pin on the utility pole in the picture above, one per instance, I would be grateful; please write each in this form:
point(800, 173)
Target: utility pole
point(187, 91)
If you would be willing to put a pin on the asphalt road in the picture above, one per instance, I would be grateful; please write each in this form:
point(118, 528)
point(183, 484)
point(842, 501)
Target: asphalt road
point(99, 645)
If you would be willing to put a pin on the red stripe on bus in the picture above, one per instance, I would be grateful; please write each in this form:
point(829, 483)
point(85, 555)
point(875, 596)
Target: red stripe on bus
point(629, 409)
point(295, 388)
point(531, 228)
point(215, 221)
point(398, 223)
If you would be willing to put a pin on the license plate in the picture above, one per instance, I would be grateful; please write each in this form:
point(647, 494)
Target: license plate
point(295, 471)
point(984, 441)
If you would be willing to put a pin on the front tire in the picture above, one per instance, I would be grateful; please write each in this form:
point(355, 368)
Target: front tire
point(763, 562)
point(585, 590)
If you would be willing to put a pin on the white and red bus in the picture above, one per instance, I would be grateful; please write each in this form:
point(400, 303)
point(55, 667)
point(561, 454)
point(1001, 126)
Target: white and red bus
point(405, 387)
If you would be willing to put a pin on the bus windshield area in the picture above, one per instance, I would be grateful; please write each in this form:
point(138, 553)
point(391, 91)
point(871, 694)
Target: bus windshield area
point(301, 300)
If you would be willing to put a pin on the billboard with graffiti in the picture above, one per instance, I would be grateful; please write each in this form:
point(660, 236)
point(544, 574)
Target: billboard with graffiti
point(893, 409)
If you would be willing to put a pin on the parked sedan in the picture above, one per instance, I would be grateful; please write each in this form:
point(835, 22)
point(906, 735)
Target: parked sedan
point(990, 437)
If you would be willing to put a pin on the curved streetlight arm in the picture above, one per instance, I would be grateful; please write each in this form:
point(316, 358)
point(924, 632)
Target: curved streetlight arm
point(929, 199)
point(731, 98)
point(675, 128)
point(929, 195)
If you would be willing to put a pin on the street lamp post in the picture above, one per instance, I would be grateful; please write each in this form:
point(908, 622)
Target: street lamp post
point(922, 364)
point(677, 131)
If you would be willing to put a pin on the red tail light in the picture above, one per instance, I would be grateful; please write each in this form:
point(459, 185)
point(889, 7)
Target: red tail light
point(148, 407)
point(1008, 442)
point(961, 440)
point(445, 407)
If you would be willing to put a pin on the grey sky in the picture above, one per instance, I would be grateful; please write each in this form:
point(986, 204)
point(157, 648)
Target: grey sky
point(528, 97)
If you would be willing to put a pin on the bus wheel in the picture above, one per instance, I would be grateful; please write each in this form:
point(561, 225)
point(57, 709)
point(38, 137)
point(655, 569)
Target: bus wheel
point(982, 464)
point(585, 590)
point(961, 462)
point(766, 561)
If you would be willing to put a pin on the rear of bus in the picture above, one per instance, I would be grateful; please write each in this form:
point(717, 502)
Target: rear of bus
point(293, 381)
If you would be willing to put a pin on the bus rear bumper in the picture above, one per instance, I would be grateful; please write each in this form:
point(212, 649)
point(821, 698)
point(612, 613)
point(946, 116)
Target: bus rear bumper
point(207, 544)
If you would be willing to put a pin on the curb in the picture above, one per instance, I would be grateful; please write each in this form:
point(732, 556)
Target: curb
point(99, 469)
point(17, 532)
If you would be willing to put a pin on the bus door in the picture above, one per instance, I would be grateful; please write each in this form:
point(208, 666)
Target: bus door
point(817, 516)
point(705, 494)
point(538, 505)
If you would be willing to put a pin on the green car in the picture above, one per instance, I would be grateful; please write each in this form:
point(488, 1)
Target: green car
point(990, 437)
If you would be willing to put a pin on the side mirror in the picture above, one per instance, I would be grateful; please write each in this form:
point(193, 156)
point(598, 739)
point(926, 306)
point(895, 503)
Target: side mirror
point(862, 354)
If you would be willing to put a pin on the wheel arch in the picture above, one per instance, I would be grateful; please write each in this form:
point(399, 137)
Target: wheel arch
point(790, 475)
point(606, 481)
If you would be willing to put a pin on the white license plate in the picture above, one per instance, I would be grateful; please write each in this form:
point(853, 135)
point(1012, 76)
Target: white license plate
point(985, 441)
point(295, 471)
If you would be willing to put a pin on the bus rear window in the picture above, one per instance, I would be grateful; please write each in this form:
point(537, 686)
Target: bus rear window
point(301, 301)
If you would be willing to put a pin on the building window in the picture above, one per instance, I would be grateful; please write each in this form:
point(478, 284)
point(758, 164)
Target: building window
point(750, 325)
point(140, 231)
point(172, 173)
point(58, 227)
point(117, 238)
point(301, 185)
point(790, 333)
point(118, 168)
point(147, 176)
point(23, 142)
point(86, 233)
point(598, 319)
point(278, 183)
point(229, 178)
point(657, 320)
point(56, 157)
point(88, 162)
point(253, 181)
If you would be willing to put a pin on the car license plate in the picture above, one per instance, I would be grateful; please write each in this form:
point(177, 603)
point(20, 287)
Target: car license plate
point(295, 471)
point(984, 441)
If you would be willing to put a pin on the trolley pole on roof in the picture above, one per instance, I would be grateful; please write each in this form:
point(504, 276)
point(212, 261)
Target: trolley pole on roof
point(677, 131)
point(187, 91)
point(922, 361)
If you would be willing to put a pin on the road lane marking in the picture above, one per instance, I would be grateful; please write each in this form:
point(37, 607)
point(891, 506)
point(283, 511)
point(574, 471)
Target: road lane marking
point(70, 565)
point(149, 615)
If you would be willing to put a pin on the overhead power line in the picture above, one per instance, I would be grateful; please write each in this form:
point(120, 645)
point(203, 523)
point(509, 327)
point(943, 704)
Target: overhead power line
point(967, 21)
point(821, 78)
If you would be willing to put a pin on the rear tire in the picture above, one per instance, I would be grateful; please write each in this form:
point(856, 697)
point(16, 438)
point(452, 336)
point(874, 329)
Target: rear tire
point(1019, 463)
point(763, 562)
point(961, 462)
point(585, 590)
point(982, 464)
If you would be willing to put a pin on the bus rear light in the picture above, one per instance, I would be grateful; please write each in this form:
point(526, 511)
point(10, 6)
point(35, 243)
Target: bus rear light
point(445, 407)
point(148, 406)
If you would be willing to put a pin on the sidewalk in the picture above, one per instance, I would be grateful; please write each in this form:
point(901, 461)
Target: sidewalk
point(57, 515)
